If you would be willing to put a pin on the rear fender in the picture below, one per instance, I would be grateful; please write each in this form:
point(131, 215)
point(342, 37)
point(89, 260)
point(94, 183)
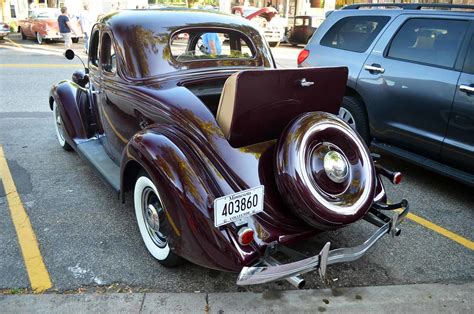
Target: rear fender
point(187, 194)
point(72, 101)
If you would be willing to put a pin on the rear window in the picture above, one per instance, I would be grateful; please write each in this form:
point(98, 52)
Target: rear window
point(205, 45)
point(354, 33)
point(429, 41)
point(298, 22)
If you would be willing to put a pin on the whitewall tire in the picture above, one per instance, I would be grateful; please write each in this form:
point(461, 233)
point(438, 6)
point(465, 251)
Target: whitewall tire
point(59, 127)
point(150, 215)
point(39, 39)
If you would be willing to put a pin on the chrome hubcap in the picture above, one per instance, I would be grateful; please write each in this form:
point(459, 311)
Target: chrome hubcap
point(336, 166)
point(152, 218)
point(152, 215)
point(345, 115)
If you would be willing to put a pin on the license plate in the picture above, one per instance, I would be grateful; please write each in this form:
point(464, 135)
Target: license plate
point(234, 207)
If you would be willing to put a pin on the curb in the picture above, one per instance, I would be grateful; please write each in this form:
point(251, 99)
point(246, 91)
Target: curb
point(430, 298)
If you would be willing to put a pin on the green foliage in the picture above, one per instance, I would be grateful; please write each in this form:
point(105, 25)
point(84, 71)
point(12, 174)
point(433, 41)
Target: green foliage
point(13, 26)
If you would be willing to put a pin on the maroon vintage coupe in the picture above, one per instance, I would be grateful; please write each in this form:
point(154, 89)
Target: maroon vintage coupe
point(228, 159)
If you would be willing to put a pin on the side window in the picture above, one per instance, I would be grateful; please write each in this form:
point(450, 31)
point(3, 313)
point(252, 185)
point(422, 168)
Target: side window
point(431, 41)
point(107, 54)
point(94, 49)
point(469, 63)
point(354, 33)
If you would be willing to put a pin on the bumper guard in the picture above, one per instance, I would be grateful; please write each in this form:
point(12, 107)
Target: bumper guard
point(269, 269)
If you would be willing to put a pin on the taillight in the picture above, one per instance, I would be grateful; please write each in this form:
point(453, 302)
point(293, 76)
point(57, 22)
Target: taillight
point(397, 178)
point(302, 56)
point(245, 235)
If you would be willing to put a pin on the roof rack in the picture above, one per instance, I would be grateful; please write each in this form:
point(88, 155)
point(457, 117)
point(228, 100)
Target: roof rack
point(409, 6)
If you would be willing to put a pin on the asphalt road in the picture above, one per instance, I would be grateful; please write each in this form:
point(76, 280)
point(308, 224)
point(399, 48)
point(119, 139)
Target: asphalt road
point(89, 240)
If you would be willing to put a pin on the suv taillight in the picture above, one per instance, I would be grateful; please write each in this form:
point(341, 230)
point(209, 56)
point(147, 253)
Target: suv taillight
point(302, 56)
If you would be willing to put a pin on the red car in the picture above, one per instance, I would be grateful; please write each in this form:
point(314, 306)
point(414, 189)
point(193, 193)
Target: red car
point(267, 19)
point(4, 30)
point(42, 24)
point(227, 159)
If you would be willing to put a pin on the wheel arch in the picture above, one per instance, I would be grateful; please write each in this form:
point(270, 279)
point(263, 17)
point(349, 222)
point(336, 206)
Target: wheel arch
point(351, 92)
point(66, 96)
point(187, 197)
point(130, 171)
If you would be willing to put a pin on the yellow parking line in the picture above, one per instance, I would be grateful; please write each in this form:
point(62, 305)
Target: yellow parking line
point(37, 272)
point(38, 65)
point(12, 42)
point(444, 232)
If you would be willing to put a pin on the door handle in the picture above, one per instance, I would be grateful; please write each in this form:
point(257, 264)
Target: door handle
point(376, 68)
point(304, 83)
point(466, 88)
point(94, 92)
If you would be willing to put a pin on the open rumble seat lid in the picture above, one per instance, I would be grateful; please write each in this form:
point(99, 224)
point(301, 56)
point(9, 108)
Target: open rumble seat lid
point(256, 105)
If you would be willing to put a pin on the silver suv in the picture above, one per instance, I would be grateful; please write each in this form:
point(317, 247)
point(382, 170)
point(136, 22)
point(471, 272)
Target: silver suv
point(410, 90)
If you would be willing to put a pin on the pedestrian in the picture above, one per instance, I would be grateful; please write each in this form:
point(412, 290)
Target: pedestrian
point(85, 26)
point(65, 27)
point(212, 44)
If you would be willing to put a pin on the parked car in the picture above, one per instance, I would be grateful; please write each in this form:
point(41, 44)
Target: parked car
point(4, 30)
point(411, 80)
point(302, 28)
point(266, 19)
point(42, 24)
point(227, 159)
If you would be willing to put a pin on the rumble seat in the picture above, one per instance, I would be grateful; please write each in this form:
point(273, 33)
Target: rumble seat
point(256, 105)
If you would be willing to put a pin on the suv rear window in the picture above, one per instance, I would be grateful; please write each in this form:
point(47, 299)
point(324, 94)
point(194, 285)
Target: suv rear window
point(430, 41)
point(354, 33)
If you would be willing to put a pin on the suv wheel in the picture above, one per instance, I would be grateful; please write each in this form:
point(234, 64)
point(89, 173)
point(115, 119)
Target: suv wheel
point(352, 111)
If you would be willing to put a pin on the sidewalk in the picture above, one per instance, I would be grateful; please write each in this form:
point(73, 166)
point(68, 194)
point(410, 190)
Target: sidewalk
point(428, 298)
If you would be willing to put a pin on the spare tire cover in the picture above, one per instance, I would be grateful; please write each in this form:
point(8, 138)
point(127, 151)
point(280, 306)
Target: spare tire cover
point(324, 171)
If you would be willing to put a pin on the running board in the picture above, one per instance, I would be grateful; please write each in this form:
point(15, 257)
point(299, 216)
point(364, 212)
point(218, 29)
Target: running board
point(93, 152)
point(427, 163)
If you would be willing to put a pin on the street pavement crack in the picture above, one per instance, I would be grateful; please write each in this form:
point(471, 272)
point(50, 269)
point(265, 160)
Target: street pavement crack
point(143, 302)
point(206, 308)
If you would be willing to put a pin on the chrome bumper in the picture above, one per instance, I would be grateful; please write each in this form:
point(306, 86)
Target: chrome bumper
point(268, 269)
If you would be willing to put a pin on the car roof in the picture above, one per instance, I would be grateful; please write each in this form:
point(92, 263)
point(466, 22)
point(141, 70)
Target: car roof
point(171, 18)
point(399, 11)
point(142, 37)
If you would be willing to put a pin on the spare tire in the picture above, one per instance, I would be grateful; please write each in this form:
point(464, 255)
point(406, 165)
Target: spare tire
point(324, 171)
